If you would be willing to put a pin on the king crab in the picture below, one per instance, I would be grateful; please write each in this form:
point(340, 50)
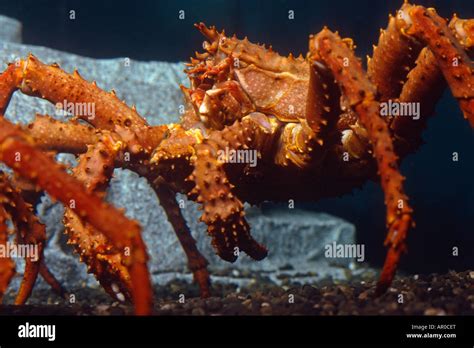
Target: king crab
point(314, 122)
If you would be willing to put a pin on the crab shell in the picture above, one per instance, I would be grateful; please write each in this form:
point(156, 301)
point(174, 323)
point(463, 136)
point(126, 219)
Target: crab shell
point(235, 77)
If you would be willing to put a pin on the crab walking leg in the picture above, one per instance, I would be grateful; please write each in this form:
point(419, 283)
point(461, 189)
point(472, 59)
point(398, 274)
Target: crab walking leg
point(29, 232)
point(197, 263)
point(7, 266)
point(360, 92)
point(94, 170)
point(425, 85)
point(87, 101)
point(392, 59)
point(51, 280)
point(303, 143)
point(426, 26)
point(223, 211)
point(50, 82)
point(20, 155)
point(68, 137)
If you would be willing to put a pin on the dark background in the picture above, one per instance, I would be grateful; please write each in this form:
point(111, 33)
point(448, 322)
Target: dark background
point(441, 190)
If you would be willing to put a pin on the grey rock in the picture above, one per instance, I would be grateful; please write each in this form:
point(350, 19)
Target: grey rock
point(10, 29)
point(295, 238)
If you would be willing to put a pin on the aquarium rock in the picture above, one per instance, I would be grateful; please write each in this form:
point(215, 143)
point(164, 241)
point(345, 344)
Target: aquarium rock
point(10, 29)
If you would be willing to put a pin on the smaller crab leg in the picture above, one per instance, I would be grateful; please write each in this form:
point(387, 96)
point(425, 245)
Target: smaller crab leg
point(49, 82)
point(426, 26)
point(197, 263)
point(425, 85)
point(7, 266)
point(354, 83)
point(51, 280)
point(392, 59)
point(32, 232)
point(122, 232)
point(29, 231)
point(68, 137)
point(323, 100)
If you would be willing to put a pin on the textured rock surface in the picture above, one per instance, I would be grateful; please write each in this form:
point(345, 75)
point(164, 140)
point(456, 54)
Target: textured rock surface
point(10, 29)
point(295, 239)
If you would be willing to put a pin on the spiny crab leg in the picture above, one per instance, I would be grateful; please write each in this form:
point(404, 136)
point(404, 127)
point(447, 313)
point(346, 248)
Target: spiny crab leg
point(68, 137)
point(29, 231)
point(171, 159)
point(95, 168)
point(392, 59)
point(7, 266)
point(19, 154)
point(196, 261)
point(392, 71)
point(361, 95)
point(49, 82)
point(51, 280)
point(223, 211)
point(426, 26)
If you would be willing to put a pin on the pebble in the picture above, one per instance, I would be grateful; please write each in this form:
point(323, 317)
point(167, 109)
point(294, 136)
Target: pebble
point(364, 295)
point(198, 311)
point(214, 304)
point(167, 307)
point(434, 311)
point(266, 309)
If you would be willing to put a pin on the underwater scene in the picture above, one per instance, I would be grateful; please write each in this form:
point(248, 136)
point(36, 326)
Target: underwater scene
point(237, 158)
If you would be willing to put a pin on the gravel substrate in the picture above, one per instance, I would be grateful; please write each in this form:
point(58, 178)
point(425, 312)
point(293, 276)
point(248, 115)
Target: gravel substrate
point(447, 294)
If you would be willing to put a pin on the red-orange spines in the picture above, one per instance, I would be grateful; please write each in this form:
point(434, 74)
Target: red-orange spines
point(94, 170)
point(51, 83)
point(69, 137)
point(392, 59)
point(48, 175)
point(346, 67)
point(463, 30)
point(322, 109)
point(425, 85)
point(361, 95)
point(458, 70)
point(10, 79)
point(223, 211)
point(250, 53)
point(28, 231)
